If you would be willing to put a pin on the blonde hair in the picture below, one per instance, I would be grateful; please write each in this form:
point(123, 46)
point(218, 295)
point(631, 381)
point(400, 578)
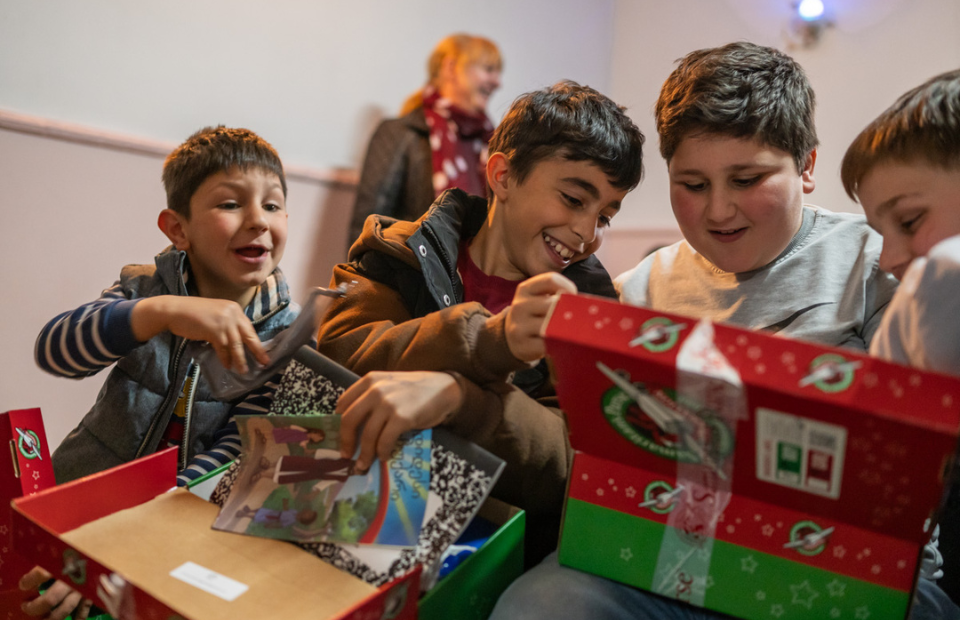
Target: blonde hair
point(464, 48)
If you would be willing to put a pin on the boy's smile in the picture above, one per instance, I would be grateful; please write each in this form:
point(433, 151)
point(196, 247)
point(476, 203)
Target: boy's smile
point(738, 202)
point(236, 232)
point(555, 217)
point(914, 206)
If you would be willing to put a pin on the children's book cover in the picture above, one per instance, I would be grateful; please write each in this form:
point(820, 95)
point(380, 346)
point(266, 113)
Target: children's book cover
point(461, 476)
point(294, 485)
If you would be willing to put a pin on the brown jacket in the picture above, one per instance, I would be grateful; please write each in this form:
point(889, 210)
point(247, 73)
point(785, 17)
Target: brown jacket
point(404, 313)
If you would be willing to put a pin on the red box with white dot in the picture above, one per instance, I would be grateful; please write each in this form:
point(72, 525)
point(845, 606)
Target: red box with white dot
point(751, 474)
point(25, 471)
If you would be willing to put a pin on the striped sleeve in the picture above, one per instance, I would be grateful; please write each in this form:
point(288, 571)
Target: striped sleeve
point(81, 342)
point(226, 442)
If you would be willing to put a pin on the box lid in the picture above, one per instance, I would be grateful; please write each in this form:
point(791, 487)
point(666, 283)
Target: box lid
point(887, 433)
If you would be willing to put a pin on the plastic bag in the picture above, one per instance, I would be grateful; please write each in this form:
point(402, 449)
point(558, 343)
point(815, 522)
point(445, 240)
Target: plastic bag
point(226, 384)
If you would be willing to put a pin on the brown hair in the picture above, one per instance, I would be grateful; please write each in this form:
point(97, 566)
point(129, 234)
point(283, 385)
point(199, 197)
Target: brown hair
point(742, 90)
point(573, 122)
point(212, 150)
point(922, 125)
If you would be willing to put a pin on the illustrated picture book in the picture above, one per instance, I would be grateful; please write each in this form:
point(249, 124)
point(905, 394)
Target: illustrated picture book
point(457, 474)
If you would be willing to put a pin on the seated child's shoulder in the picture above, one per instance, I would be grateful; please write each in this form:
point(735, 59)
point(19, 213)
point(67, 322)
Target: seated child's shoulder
point(935, 277)
point(842, 232)
point(946, 254)
point(632, 284)
point(839, 220)
point(918, 327)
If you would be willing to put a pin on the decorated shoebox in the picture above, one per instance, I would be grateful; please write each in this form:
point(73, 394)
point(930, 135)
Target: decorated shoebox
point(141, 552)
point(27, 471)
point(754, 475)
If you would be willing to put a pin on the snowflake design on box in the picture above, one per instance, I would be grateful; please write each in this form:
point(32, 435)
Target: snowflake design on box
point(862, 613)
point(626, 554)
point(776, 610)
point(748, 564)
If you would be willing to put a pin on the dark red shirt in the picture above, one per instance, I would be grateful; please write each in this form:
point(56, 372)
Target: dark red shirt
point(493, 293)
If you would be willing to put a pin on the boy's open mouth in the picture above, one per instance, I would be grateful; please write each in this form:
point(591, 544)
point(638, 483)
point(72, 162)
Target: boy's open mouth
point(561, 250)
point(730, 234)
point(251, 251)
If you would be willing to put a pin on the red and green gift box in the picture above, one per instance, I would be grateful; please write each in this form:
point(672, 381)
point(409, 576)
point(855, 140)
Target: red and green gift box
point(751, 474)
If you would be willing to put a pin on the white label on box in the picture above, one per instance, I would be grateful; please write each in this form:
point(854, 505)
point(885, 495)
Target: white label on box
point(799, 453)
point(209, 581)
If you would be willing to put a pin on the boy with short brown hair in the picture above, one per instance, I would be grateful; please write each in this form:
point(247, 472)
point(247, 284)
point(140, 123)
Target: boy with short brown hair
point(904, 169)
point(218, 282)
point(461, 294)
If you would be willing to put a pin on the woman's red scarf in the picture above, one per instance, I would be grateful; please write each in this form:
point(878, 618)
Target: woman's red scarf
point(458, 143)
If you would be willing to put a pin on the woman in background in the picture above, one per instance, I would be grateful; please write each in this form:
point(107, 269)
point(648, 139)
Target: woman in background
point(439, 141)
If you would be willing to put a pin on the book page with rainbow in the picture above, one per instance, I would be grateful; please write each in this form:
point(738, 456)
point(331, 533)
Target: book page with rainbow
point(294, 485)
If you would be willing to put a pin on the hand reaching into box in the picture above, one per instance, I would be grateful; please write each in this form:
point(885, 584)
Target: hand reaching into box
point(57, 602)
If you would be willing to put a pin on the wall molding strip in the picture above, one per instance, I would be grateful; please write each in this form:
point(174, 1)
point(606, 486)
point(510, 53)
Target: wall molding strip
point(88, 136)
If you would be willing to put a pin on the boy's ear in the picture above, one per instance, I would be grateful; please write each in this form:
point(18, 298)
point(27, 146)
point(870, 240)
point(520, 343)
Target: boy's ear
point(172, 225)
point(498, 175)
point(806, 175)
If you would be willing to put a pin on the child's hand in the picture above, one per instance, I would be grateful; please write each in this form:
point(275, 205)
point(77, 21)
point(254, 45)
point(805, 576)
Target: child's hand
point(388, 404)
point(220, 322)
point(58, 602)
point(528, 311)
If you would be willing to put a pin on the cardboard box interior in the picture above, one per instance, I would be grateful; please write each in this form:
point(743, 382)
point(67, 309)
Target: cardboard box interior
point(147, 542)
